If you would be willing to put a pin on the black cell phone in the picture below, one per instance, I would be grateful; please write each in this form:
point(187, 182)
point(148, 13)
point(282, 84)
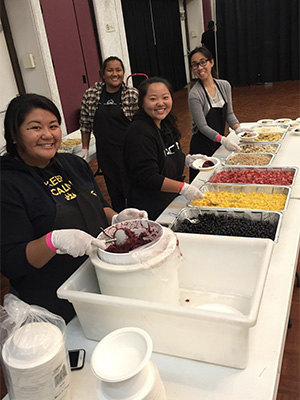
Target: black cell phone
point(77, 358)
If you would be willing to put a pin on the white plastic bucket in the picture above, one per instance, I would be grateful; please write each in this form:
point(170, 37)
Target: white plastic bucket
point(154, 278)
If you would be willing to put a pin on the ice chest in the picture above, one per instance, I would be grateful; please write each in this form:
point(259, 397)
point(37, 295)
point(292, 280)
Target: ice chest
point(226, 273)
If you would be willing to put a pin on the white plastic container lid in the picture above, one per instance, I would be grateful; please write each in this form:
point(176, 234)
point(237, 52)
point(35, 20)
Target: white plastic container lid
point(121, 354)
point(32, 344)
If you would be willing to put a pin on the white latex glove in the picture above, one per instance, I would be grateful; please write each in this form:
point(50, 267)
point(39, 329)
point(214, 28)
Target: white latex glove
point(74, 242)
point(247, 130)
point(229, 144)
point(83, 153)
point(129, 213)
point(190, 158)
point(191, 192)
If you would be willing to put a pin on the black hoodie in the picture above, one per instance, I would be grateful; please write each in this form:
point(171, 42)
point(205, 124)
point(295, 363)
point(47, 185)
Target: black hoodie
point(28, 212)
point(149, 160)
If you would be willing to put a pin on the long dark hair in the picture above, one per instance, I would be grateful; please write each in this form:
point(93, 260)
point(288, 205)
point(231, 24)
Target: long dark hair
point(207, 54)
point(15, 115)
point(170, 122)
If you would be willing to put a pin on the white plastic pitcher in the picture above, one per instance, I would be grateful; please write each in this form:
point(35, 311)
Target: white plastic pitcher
point(154, 277)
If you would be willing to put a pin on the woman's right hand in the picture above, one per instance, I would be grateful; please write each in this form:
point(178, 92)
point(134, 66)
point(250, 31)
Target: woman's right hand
point(191, 192)
point(73, 242)
point(229, 144)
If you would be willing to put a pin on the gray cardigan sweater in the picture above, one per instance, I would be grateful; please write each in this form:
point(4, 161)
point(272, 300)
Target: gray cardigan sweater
point(199, 108)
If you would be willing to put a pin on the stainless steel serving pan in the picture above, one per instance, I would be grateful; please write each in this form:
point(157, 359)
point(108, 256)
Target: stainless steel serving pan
point(260, 145)
point(240, 168)
point(283, 127)
point(231, 155)
point(273, 217)
point(268, 189)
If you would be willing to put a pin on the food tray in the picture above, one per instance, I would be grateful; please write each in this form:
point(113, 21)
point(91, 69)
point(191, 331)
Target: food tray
point(268, 189)
point(71, 142)
point(271, 156)
point(285, 128)
point(273, 217)
point(240, 168)
point(260, 145)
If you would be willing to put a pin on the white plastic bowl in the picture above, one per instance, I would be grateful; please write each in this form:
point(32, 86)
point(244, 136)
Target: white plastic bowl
point(296, 131)
point(121, 354)
point(244, 138)
point(136, 225)
point(283, 121)
point(265, 121)
point(198, 164)
point(294, 124)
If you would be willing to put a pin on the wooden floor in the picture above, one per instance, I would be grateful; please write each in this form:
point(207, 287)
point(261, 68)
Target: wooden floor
point(251, 103)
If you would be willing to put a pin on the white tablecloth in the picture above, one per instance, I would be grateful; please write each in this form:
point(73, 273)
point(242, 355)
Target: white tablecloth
point(193, 380)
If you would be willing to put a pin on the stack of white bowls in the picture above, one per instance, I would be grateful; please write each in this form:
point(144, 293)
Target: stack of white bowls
point(36, 363)
point(122, 363)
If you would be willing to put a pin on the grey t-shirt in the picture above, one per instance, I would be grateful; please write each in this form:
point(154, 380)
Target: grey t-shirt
point(200, 107)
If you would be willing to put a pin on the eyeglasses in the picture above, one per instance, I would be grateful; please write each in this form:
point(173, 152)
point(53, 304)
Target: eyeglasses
point(202, 63)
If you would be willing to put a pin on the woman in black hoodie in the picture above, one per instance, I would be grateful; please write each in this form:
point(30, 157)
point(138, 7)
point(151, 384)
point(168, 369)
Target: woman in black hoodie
point(153, 157)
point(51, 206)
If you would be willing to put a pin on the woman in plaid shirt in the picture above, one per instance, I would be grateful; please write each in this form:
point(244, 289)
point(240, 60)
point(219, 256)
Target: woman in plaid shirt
point(107, 109)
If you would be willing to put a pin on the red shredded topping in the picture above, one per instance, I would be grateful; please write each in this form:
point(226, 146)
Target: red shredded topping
point(132, 242)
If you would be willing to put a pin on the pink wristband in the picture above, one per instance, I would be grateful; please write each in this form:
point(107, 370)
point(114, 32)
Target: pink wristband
point(49, 243)
point(180, 187)
point(85, 147)
point(218, 138)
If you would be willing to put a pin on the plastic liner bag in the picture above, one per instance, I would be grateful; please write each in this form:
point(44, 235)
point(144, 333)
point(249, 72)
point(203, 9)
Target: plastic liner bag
point(33, 354)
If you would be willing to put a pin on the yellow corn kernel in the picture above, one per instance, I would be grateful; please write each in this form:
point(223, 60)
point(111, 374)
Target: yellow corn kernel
point(257, 201)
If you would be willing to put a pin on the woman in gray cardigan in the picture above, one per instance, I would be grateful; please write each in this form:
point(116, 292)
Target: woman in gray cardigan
point(210, 104)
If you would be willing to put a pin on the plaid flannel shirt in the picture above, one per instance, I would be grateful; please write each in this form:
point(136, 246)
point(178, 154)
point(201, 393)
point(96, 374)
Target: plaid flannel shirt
point(91, 98)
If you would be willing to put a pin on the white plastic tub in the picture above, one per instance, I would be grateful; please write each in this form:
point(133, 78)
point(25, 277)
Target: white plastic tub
point(228, 272)
point(153, 278)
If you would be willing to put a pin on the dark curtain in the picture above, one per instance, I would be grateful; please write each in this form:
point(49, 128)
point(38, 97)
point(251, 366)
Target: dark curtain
point(154, 39)
point(258, 40)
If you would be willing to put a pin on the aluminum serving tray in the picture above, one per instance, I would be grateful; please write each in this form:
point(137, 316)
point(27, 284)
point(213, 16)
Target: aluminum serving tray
point(240, 168)
point(274, 145)
point(246, 154)
point(274, 217)
point(243, 188)
point(282, 126)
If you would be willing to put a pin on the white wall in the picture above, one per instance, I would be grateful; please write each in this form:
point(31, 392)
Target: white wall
point(8, 86)
point(195, 22)
point(183, 19)
point(111, 30)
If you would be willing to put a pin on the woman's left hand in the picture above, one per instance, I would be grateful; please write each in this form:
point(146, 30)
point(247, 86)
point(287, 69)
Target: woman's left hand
point(129, 213)
point(190, 158)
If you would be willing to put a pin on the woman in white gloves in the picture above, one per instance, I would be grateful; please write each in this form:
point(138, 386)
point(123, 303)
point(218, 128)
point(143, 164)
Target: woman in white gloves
point(51, 206)
point(210, 103)
point(153, 157)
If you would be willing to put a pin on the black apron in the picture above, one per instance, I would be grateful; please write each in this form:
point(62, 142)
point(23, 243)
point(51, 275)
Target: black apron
point(216, 119)
point(109, 128)
point(84, 212)
point(155, 201)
